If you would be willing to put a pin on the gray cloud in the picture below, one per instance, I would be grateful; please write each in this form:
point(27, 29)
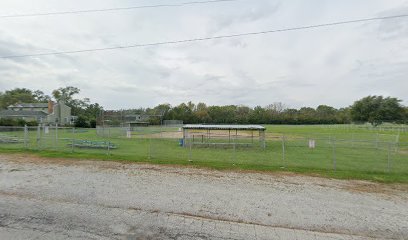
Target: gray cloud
point(333, 65)
point(394, 28)
point(240, 16)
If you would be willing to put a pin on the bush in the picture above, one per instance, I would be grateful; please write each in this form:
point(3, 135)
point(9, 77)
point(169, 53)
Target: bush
point(81, 123)
point(92, 123)
point(16, 122)
point(32, 123)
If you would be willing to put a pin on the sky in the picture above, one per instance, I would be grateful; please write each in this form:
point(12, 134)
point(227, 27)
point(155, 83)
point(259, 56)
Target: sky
point(331, 65)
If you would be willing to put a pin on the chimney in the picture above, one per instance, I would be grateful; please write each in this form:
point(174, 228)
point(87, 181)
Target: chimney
point(50, 106)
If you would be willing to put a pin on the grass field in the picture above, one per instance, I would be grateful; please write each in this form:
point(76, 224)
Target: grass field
point(341, 151)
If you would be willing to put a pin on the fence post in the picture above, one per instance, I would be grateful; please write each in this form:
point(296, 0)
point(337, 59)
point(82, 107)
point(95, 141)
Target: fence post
point(56, 136)
point(376, 140)
point(283, 151)
point(234, 157)
point(109, 141)
point(352, 140)
point(397, 142)
point(38, 136)
point(333, 140)
point(150, 150)
point(389, 158)
point(25, 136)
point(189, 154)
point(108, 146)
point(73, 139)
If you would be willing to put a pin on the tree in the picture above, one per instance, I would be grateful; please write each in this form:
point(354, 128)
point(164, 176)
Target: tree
point(182, 112)
point(243, 114)
point(162, 110)
point(40, 96)
point(17, 95)
point(326, 114)
point(223, 114)
point(92, 111)
point(276, 107)
point(201, 113)
point(307, 115)
point(66, 95)
point(376, 109)
point(258, 115)
point(406, 115)
point(343, 116)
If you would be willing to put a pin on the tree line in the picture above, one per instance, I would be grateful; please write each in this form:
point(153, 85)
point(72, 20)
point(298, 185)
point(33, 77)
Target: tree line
point(372, 109)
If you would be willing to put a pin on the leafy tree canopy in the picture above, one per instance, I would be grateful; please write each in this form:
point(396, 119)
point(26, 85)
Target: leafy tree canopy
point(21, 95)
point(377, 109)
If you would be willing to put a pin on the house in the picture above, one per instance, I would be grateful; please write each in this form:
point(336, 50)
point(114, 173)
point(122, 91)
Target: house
point(26, 115)
point(37, 107)
point(136, 120)
point(59, 113)
point(47, 113)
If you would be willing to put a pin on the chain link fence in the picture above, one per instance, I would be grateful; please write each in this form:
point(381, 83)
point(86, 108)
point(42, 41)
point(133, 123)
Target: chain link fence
point(365, 152)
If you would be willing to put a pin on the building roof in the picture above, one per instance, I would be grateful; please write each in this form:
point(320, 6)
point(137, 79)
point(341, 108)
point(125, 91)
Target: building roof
point(224, 127)
point(12, 113)
point(30, 105)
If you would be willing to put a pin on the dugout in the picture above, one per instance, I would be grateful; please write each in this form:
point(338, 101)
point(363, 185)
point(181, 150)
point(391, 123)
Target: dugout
point(223, 135)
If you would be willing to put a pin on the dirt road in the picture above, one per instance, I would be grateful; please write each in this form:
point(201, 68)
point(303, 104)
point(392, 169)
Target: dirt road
point(70, 199)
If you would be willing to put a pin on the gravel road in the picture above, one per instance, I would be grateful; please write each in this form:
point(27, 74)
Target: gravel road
point(77, 199)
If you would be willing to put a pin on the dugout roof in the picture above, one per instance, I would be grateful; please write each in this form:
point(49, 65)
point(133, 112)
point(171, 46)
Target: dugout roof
point(224, 127)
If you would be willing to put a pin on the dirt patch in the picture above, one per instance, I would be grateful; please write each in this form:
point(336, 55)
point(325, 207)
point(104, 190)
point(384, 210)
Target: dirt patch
point(369, 187)
point(405, 152)
point(160, 135)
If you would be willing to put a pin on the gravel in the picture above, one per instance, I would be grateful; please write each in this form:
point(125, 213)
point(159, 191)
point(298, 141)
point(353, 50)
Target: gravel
point(77, 199)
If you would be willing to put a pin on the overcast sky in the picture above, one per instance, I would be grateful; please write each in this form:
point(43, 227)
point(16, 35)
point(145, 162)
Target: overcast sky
point(332, 65)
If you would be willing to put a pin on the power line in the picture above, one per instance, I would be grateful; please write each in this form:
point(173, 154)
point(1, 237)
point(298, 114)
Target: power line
point(113, 9)
point(207, 38)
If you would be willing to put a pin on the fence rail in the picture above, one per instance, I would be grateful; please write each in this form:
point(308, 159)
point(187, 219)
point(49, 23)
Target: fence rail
point(342, 152)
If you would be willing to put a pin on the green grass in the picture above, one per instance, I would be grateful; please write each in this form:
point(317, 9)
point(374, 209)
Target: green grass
point(365, 158)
